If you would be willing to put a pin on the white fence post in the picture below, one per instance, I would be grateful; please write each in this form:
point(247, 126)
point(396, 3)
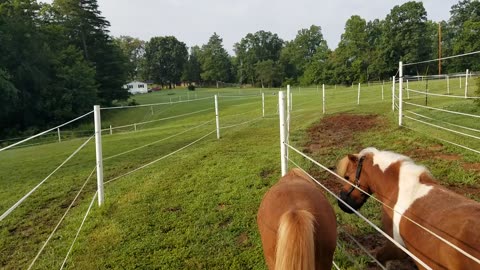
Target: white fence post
point(111, 130)
point(383, 83)
point(216, 117)
point(448, 85)
point(263, 104)
point(151, 109)
point(98, 152)
point(283, 147)
point(59, 137)
point(393, 93)
point(288, 100)
point(408, 91)
point(135, 126)
point(400, 92)
point(358, 95)
point(323, 99)
point(466, 83)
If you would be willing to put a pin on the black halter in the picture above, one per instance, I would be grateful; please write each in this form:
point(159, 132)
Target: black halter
point(357, 175)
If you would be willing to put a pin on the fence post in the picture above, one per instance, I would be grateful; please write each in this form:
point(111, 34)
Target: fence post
point(216, 117)
point(283, 147)
point(382, 90)
point(408, 91)
point(288, 100)
point(59, 137)
point(358, 95)
point(323, 99)
point(111, 130)
point(135, 126)
point(400, 93)
point(466, 83)
point(263, 104)
point(448, 85)
point(98, 152)
point(393, 93)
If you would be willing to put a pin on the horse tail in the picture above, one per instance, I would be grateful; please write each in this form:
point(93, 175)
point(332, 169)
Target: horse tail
point(295, 241)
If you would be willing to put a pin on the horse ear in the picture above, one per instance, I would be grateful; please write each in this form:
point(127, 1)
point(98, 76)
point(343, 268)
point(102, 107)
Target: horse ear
point(353, 157)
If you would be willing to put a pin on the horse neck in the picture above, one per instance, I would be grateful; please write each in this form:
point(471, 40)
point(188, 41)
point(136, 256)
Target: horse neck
point(384, 184)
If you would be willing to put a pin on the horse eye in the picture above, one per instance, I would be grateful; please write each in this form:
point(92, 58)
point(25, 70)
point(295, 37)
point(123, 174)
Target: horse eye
point(347, 177)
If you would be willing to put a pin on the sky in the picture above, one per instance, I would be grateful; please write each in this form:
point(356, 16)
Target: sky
point(194, 21)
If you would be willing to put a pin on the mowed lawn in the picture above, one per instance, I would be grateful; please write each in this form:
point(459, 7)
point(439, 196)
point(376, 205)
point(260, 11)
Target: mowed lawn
point(196, 208)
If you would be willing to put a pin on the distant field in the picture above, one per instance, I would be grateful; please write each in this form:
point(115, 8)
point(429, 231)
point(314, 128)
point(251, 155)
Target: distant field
point(196, 209)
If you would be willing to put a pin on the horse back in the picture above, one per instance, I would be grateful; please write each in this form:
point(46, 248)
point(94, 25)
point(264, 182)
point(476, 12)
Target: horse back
point(452, 217)
point(293, 192)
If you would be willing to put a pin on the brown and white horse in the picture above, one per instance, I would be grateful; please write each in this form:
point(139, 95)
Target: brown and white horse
point(412, 192)
point(297, 225)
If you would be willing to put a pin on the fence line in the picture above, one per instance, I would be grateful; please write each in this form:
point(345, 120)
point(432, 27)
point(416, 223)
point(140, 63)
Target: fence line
point(444, 128)
point(79, 229)
point(362, 217)
point(440, 95)
point(442, 110)
point(152, 162)
point(444, 122)
point(443, 140)
point(153, 104)
point(374, 198)
point(4, 215)
point(443, 58)
point(46, 131)
point(152, 143)
point(243, 123)
point(157, 120)
point(61, 219)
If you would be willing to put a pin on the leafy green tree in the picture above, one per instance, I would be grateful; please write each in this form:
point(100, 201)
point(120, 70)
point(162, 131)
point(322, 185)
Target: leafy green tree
point(193, 69)
point(462, 34)
point(255, 48)
point(216, 64)
point(299, 53)
point(352, 51)
point(268, 73)
point(165, 59)
point(405, 39)
point(134, 50)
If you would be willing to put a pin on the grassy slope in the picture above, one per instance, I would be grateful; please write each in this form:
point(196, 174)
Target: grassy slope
point(195, 209)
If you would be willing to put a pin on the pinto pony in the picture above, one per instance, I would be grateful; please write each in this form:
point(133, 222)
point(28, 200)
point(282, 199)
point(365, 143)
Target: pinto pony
point(412, 192)
point(297, 225)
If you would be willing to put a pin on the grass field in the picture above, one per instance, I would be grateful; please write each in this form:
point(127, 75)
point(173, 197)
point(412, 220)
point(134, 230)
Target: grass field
point(196, 209)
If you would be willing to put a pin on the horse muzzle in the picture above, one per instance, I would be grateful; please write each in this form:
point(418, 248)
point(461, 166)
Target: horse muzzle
point(344, 196)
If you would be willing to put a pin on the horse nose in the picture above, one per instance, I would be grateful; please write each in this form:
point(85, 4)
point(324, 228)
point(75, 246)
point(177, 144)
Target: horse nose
point(343, 206)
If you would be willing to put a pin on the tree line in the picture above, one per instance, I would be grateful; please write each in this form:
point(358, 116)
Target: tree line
point(57, 60)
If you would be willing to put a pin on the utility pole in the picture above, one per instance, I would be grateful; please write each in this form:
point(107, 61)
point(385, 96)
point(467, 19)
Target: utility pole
point(439, 48)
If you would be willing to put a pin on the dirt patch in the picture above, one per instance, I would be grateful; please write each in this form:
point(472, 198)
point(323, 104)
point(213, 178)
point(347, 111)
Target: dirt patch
point(339, 130)
point(242, 239)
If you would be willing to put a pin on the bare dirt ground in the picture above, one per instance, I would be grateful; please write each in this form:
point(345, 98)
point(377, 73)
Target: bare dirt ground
point(339, 131)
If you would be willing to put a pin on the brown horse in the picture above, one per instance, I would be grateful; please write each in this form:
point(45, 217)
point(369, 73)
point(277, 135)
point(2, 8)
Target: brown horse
point(412, 192)
point(297, 225)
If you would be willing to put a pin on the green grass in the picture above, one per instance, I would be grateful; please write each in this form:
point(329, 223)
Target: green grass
point(195, 209)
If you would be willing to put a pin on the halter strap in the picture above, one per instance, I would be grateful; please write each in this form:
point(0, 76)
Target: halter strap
point(357, 175)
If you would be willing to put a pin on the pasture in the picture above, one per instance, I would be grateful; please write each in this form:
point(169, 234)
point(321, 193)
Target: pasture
point(196, 209)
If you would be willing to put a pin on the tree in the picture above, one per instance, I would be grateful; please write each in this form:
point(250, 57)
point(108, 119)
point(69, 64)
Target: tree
point(352, 51)
point(255, 48)
point(215, 61)
point(87, 30)
point(462, 34)
point(192, 69)
point(165, 59)
point(134, 50)
point(405, 39)
point(268, 72)
point(299, 53)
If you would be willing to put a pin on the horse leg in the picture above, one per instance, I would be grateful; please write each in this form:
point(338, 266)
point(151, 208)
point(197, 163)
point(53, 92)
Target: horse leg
point(389, 252)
